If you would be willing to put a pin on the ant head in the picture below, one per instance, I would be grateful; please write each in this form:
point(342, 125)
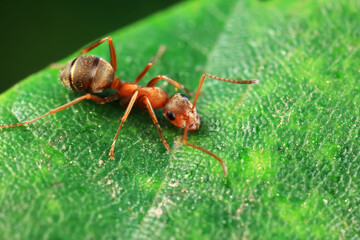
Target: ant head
point(178, 111)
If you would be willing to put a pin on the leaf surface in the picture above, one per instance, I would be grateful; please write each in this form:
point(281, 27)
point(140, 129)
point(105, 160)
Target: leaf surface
point(291, 143)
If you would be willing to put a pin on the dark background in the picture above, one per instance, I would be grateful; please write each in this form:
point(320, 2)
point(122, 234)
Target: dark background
point(37, 33)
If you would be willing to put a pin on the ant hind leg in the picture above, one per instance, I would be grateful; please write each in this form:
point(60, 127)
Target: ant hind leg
point(111, 48)
point(69, 104)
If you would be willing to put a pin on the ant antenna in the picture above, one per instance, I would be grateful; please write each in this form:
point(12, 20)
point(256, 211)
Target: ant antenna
point(254, 81)
point(220, 79)
point(204, 150)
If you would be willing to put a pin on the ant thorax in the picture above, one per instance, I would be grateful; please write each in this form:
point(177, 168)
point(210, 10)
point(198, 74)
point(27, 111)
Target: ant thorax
point(178, 110)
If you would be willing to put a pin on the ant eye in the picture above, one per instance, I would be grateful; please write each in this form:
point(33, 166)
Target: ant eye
point(184, 96)
point(171, 115)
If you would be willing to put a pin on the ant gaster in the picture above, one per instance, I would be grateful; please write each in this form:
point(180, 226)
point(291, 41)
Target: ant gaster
point(92, 74)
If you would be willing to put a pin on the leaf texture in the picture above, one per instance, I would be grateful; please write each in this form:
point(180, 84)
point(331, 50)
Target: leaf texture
point(291, 142)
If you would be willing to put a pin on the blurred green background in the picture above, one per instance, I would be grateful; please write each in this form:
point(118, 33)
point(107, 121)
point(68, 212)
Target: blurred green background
point(37, 33)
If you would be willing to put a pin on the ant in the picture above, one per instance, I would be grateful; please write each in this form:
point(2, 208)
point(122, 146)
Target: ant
point(91, 74)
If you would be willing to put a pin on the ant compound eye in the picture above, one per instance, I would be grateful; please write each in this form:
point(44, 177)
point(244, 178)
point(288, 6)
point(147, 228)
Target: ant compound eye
point(171, 115)
point(184, 96)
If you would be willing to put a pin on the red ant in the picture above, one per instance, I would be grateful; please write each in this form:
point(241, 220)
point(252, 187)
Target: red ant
point(92, 74)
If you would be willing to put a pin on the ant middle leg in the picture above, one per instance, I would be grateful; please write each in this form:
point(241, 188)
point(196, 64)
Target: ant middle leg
point(159, 53)
point(176, 84)
point(133, 98)
point(94, 98)
point(111, 48)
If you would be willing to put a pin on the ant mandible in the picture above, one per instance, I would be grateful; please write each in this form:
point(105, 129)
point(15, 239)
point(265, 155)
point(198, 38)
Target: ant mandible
point(92, 74)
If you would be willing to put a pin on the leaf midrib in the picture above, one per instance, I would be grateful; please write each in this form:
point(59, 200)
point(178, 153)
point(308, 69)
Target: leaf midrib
point(172, 156)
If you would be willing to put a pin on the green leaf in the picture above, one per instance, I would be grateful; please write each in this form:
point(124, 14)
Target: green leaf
point(291, 143)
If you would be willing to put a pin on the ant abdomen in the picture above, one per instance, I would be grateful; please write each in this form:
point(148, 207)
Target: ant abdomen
point(87, 74)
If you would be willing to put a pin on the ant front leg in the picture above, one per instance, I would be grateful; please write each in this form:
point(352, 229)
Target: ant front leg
point(160, 52)
point(111, 48)
point(69, 104)
point(146, 101)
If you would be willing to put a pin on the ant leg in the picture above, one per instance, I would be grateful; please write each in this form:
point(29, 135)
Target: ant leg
point(111, 48)
point(204, 150)
point(220, 79)
point(149, 65)
point(56, 66)
point(123, 119)
point(153, 116)
point(69, 104)
point(177, 85)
